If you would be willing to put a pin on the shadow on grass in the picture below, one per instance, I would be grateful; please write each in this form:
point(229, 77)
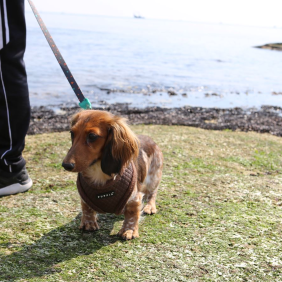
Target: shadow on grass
point(61, 244)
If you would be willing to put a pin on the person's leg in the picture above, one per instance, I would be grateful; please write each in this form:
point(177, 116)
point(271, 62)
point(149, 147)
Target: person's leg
point(14, 98)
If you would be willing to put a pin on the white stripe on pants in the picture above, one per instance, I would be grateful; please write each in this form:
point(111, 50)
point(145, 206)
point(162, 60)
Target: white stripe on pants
point(4, 29)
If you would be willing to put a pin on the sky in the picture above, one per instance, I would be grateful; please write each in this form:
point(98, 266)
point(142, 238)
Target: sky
point(242, 12)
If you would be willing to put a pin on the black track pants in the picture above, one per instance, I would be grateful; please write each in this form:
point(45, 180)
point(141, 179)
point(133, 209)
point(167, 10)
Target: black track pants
point(14, 96)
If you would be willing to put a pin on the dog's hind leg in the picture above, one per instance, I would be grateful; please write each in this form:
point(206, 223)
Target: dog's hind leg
point(150, 197)
point(150, 207)
point(152, 182)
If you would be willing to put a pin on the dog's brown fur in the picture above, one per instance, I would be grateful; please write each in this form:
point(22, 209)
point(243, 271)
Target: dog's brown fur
point(108, 153)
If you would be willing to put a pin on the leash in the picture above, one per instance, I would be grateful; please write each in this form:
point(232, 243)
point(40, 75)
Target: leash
point(84, 102)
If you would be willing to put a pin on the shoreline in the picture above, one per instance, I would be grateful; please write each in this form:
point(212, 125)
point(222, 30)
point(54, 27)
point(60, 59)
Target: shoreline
point(268, 119)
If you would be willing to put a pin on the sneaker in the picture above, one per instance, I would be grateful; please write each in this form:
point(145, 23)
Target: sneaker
point(13, 183)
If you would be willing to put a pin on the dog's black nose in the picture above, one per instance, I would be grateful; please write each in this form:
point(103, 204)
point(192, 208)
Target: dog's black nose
point(68, 167)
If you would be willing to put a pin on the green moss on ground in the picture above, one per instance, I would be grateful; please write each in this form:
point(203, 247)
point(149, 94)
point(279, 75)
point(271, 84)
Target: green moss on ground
point(219, 215)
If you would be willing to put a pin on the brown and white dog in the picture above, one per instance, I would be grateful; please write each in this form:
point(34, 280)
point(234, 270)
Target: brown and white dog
point(103, 147)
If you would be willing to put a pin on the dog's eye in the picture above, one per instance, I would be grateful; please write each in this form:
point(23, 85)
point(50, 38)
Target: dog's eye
point(92, 137)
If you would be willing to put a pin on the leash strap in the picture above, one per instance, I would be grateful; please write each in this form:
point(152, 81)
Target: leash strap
point(84, 102)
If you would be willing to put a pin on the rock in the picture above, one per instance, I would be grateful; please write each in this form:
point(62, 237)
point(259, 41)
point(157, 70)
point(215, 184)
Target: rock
point(276, 93)
point(271, 46)
point(172, 93)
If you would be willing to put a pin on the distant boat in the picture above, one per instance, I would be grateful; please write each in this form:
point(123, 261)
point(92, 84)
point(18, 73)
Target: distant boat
point(138, 16)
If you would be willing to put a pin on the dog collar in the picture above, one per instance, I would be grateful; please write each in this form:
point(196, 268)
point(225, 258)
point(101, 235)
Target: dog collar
point(113, 195)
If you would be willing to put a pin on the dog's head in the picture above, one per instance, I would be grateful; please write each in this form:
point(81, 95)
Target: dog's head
point(100, 136)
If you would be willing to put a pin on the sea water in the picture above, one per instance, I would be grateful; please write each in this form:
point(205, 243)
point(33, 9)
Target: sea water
point(209, 65)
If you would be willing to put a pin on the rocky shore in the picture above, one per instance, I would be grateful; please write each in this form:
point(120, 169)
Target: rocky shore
point(268, 119)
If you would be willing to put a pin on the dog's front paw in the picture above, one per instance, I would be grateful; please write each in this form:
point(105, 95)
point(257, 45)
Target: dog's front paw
point(150, 209)
point(89, 225)
point(128, 234)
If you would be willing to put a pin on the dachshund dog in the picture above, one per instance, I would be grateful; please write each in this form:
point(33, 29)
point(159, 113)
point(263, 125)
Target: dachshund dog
point(104, 149)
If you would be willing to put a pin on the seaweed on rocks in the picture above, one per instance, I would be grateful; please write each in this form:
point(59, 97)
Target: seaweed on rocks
point(267, 119)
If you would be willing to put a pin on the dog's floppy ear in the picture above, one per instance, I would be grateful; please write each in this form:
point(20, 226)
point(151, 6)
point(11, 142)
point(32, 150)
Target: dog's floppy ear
point(109, 164)
point(120, 148)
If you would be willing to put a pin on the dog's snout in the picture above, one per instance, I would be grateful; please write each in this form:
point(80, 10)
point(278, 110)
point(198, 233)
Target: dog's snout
point(67, 166)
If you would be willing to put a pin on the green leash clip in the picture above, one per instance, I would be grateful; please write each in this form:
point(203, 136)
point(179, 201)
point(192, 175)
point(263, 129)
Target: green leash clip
point(85, 104)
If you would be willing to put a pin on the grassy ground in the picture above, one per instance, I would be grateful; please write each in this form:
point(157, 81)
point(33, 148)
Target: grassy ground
point(219, 215)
